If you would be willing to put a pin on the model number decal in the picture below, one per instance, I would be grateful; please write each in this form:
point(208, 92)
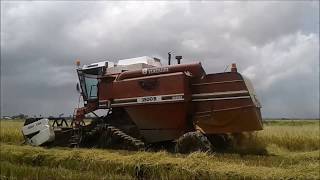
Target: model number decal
point(176, 97)
point(148, 99)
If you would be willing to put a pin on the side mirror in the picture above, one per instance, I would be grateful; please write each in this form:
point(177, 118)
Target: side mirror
point(78, 88)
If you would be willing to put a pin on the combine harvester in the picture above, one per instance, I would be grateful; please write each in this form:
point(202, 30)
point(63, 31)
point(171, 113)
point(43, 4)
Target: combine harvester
point(147, 104)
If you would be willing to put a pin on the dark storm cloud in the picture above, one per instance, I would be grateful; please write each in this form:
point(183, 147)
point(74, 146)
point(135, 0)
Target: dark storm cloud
point(275, 44)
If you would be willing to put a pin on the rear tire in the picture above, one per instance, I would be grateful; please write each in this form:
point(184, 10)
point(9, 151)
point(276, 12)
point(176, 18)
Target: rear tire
point(220, 142)
point(191, 142)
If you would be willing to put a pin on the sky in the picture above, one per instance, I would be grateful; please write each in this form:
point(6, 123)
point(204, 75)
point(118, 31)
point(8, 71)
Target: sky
point(275, 44)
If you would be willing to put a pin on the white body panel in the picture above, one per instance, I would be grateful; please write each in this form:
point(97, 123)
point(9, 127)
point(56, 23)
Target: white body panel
point(45, 135)
point(144, 60)
point(125, 64)
point(108, 64)
point(121, 68)
point(43, 130)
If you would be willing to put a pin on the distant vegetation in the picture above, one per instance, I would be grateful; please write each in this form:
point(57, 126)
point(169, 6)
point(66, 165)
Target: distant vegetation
point(286, 149)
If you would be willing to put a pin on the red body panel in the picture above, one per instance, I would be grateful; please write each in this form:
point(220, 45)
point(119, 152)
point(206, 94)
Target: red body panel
point(163, 102)
point(223, 104)
point(158, 120)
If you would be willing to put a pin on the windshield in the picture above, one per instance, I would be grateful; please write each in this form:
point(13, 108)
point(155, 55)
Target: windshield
point(89, 85)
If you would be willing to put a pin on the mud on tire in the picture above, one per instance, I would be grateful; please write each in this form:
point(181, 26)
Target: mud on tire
point(191, 142)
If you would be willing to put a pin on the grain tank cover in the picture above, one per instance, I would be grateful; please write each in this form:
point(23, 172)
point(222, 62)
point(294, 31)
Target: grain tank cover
point(143, 60)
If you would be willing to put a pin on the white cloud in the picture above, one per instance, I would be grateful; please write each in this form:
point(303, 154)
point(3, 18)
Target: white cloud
point(289, 56)
point(276, 44)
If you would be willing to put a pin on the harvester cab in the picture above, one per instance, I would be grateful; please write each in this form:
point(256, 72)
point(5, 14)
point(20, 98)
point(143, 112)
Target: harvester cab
point(89, 75)
point(88, 78)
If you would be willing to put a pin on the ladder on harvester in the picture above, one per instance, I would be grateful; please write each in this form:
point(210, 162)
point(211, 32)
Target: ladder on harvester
point(76, 137)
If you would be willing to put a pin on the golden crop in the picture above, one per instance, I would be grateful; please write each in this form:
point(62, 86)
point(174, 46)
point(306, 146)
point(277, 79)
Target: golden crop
point(291, 152)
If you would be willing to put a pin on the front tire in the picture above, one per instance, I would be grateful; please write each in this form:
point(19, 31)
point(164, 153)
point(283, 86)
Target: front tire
point(191, 142)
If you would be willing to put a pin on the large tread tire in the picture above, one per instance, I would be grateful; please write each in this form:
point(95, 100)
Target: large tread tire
point(220, 142)
point(112, 137)
point(104, 140)
point(192, 142)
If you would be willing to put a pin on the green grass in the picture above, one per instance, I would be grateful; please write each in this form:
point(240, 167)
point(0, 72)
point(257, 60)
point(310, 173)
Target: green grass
point(10, 131)
point(162, 165)
point(293, 138)
point(292, 153)
point(25, 171)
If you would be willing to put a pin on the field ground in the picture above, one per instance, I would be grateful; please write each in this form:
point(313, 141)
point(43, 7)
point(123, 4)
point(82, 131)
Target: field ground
point(284, 149)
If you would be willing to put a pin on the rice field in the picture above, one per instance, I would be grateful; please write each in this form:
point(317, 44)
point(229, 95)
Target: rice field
point(291, 151)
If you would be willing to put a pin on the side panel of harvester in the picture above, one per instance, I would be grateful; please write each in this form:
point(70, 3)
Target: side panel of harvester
point(225, 103)
point(164, 102)
point(157, 104)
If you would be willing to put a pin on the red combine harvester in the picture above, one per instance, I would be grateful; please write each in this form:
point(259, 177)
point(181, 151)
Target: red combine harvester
point(148, 104)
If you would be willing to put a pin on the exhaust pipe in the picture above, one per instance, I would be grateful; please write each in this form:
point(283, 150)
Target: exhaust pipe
point(169, 58)
point(178, 59)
